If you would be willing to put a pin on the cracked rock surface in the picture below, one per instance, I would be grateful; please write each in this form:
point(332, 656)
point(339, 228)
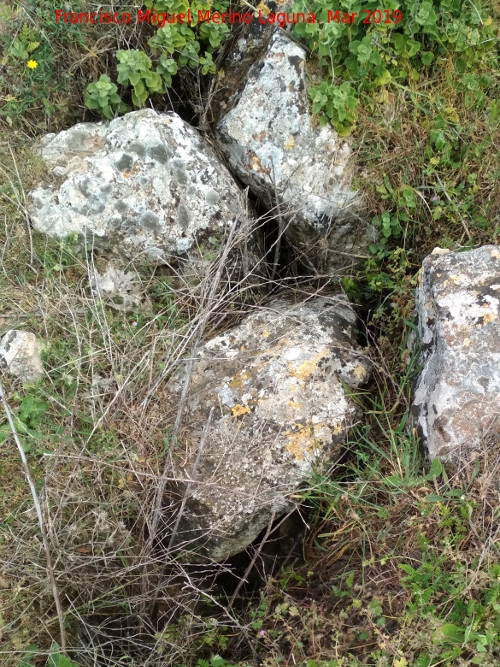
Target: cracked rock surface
point(456, 402)
point(275, 383)
point(274, 146)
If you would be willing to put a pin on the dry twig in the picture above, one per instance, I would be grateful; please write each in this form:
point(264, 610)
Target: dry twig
point(41, 524)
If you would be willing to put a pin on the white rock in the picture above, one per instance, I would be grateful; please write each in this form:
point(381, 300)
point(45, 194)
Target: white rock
point(276, 148)
point(20, 355)
point(117, 288)
point(145, 186)
point(275, 383)
point(456, 402)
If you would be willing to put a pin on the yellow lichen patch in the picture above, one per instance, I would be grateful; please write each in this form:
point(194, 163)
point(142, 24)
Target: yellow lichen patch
point(495, 253)
point(337, 429)
point(265, 333)
point(303, 441)
point(254, 163)
point(284, 342)
point(289, 144)
point(296, 446)
point(466, 342)
point(263, 8)
point(239, 410)
point(488, 317)
point(306, 368)
point(293, 404)
point(239, 379)
point(359, 371)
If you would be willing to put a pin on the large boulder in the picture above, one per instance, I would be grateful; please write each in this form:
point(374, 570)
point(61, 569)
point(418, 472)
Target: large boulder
point(456, 402)
point(279, 385)
point(273, 144)
point(145, 186)
point(20, 355)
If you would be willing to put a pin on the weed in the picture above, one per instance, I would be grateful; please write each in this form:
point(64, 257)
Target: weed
point(149, 71)
point(395, 43)
point(399, 565)
point(394, 572)
point(102, 96)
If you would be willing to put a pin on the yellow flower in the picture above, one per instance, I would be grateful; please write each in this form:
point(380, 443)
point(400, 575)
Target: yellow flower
point(31, 64)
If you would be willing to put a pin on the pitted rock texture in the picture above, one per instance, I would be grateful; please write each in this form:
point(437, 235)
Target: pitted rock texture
point(456, 402)
point(274, 146)
point(145, 186)
point(20, 355)
point(275, 383)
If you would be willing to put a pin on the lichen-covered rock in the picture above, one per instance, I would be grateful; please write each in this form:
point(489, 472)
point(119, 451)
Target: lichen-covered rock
point(20, 355)
point(274, 146)
point(248, 43)
point(456, 402)
point(118, 289)
point(276, 385)
point(145, 186)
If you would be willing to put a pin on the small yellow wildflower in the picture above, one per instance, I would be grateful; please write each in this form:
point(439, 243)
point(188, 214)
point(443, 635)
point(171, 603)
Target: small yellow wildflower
point(31, 64)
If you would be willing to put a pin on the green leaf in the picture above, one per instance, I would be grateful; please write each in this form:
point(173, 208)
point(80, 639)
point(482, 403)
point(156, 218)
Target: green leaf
point(406, 568)
point(29, 652)
point(398, 41)
point(426, 15)
point(394, 480)
point(57, 659)
point(435, 470)
point(413, 47)
point(450, 633)
point(434, 498)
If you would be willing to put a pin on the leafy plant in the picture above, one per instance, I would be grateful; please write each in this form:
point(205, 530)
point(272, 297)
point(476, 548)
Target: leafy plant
point(338, 102)
point(102, 96)
point(172, 46)
point(134, 68)
point(386, 43)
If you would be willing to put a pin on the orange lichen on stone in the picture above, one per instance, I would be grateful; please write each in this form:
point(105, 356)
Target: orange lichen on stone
point(239, 410)
point(306, 368)
point(238, 381)
point(488, 317)
point(303, 441)
point(298, 444)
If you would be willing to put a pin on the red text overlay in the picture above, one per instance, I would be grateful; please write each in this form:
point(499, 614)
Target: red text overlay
point(281, 19)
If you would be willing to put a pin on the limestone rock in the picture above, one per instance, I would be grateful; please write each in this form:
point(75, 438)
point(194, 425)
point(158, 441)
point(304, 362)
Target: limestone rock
point(248, 43)
point(273, 145)
point(275, 383)
point(20, 355)
point(456, 402)
point(144, 186)
point(118, 289)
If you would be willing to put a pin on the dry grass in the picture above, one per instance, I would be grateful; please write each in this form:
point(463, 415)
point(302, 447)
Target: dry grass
point(103, 426)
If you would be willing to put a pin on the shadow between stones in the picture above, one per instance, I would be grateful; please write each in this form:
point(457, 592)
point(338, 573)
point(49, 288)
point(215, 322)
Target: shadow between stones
point(246, 573)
